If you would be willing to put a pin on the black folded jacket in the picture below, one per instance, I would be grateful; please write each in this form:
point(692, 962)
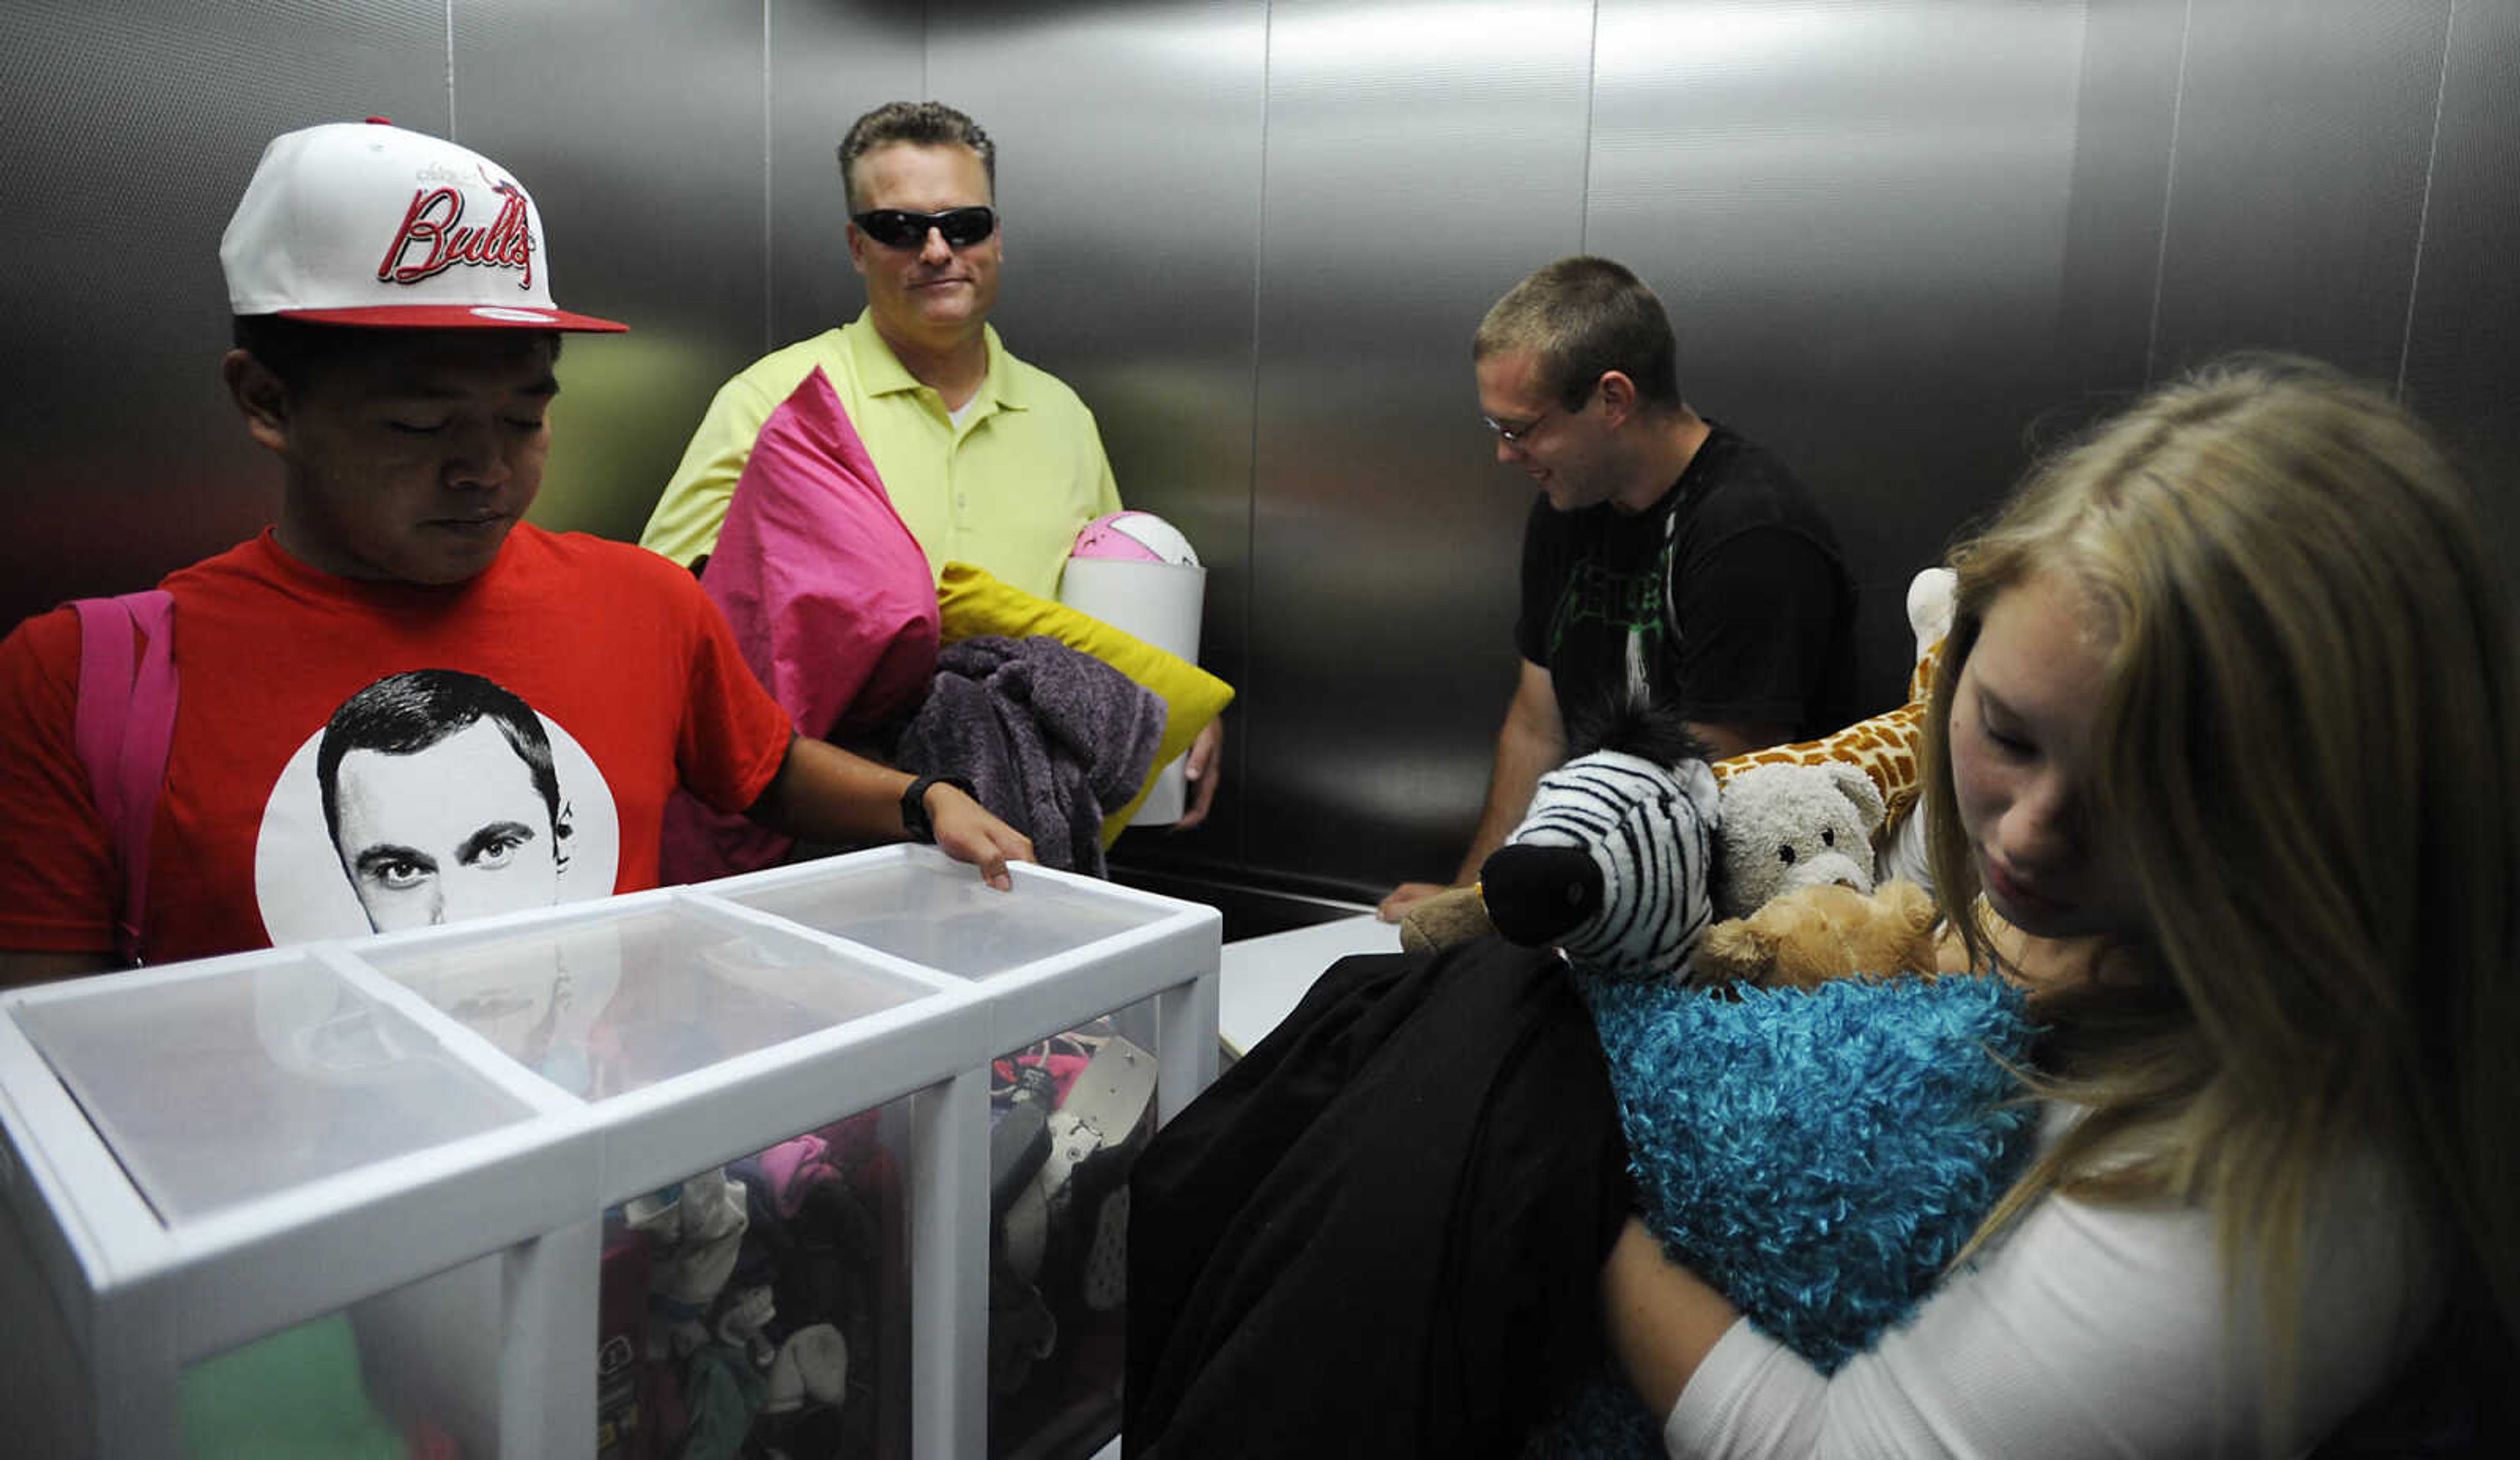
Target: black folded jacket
point(1381, 1232)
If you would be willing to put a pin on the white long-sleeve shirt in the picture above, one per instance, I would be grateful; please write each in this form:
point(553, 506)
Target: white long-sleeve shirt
point(2092, 1331)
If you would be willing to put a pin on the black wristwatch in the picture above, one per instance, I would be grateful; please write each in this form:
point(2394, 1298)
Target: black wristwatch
point(913, 805)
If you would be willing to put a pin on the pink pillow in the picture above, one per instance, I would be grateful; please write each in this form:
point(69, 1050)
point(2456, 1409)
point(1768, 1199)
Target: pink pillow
point(829, 593)
point(830, 601)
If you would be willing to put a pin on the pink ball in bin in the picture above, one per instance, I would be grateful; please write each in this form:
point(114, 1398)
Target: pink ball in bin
point(1134, 536)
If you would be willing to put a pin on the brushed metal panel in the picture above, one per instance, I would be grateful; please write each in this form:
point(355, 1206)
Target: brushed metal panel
point(1421, 159)
point(2297, 192)
point(829, 64)
point(133, 128)
point(645, 152)
point(1132, 238)
point(2124, 120)
point(1256, 237)
point(1857, 214)
point(2463, 333)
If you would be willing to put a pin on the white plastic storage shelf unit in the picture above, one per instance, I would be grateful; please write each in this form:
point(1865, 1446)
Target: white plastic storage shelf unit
point(204, 1153)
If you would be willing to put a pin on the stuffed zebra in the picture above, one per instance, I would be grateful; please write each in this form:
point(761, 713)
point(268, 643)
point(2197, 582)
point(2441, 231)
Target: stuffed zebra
point(1887, 1104)
point(1611, 864)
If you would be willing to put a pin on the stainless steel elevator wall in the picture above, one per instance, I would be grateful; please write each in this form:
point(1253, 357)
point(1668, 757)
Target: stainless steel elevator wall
point(1905, 242)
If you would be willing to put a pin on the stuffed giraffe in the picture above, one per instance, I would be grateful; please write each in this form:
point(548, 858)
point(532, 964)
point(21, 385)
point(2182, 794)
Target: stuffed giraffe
point(1888, 746)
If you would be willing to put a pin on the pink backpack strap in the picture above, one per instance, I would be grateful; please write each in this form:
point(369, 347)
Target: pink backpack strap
point(125, 725)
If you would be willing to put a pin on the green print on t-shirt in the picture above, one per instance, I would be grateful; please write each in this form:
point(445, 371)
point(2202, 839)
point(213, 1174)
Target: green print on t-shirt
point(1633, 601)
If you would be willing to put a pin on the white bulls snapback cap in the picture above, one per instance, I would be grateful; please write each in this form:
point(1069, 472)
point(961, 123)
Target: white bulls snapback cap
point(364, 223)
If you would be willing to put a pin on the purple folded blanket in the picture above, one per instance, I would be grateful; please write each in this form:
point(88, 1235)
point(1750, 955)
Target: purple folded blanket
point(1054, 740)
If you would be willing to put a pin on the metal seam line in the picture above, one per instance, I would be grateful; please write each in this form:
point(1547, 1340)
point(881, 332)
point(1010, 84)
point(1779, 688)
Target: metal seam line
point(2424, 210)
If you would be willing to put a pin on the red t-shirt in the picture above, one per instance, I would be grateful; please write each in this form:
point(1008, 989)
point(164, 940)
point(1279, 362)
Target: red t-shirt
point(634, 685)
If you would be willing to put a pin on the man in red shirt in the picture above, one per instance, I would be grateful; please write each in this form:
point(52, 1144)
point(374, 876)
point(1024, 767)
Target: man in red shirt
point(395, 345)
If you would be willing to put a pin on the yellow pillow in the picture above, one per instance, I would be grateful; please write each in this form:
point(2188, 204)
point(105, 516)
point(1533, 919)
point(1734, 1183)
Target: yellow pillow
point(973, 602)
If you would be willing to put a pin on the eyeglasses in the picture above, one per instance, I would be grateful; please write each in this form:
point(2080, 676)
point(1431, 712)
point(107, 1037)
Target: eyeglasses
point(1517, 434)
point(1513, 435)
point(899, 227)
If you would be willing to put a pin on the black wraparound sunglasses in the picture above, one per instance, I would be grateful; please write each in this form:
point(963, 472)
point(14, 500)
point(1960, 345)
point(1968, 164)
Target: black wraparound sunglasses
point(898, 228)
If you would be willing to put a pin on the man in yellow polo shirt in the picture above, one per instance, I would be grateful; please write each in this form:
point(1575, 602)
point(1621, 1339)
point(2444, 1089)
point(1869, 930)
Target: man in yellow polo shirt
point(989, 460)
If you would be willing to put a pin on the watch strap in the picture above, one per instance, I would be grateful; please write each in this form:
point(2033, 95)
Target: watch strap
point(914, 804)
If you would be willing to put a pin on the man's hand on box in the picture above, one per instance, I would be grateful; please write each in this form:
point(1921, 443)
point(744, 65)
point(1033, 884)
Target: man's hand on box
point(967, 832)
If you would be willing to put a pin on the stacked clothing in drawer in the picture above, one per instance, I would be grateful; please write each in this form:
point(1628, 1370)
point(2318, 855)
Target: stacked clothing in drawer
point(761, 1308)
point(771, 1307)
point(1068, 1117)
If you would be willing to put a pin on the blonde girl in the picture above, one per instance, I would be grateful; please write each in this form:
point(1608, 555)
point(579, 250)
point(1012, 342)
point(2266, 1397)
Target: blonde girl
point(2229, 728)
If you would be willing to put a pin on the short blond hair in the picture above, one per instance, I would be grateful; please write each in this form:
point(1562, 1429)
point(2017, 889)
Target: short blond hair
point(1582, 317)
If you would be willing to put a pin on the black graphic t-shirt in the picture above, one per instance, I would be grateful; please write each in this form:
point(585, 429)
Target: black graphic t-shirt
point(1728, 597)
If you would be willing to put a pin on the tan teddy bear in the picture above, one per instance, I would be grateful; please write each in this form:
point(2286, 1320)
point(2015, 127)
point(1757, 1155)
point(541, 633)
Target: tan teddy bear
point(1803, 938)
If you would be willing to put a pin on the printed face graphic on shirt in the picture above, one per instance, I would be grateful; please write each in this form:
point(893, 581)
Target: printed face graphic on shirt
point(443, 801)
point(523, 805)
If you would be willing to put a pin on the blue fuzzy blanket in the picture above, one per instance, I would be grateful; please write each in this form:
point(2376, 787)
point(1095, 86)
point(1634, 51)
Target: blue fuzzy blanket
point(1818, 1157)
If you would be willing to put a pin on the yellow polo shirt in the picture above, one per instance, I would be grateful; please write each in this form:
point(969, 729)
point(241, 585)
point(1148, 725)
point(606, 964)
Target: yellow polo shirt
point(1006, 490)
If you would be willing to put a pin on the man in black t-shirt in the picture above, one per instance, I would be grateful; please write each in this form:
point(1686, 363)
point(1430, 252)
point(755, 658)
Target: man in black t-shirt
point(1668, 561)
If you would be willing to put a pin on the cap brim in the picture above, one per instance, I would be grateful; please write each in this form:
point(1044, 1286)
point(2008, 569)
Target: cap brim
point(458, 316)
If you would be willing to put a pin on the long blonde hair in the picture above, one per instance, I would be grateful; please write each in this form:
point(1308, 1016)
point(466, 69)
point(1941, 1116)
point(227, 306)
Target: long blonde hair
point(2309, 733)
